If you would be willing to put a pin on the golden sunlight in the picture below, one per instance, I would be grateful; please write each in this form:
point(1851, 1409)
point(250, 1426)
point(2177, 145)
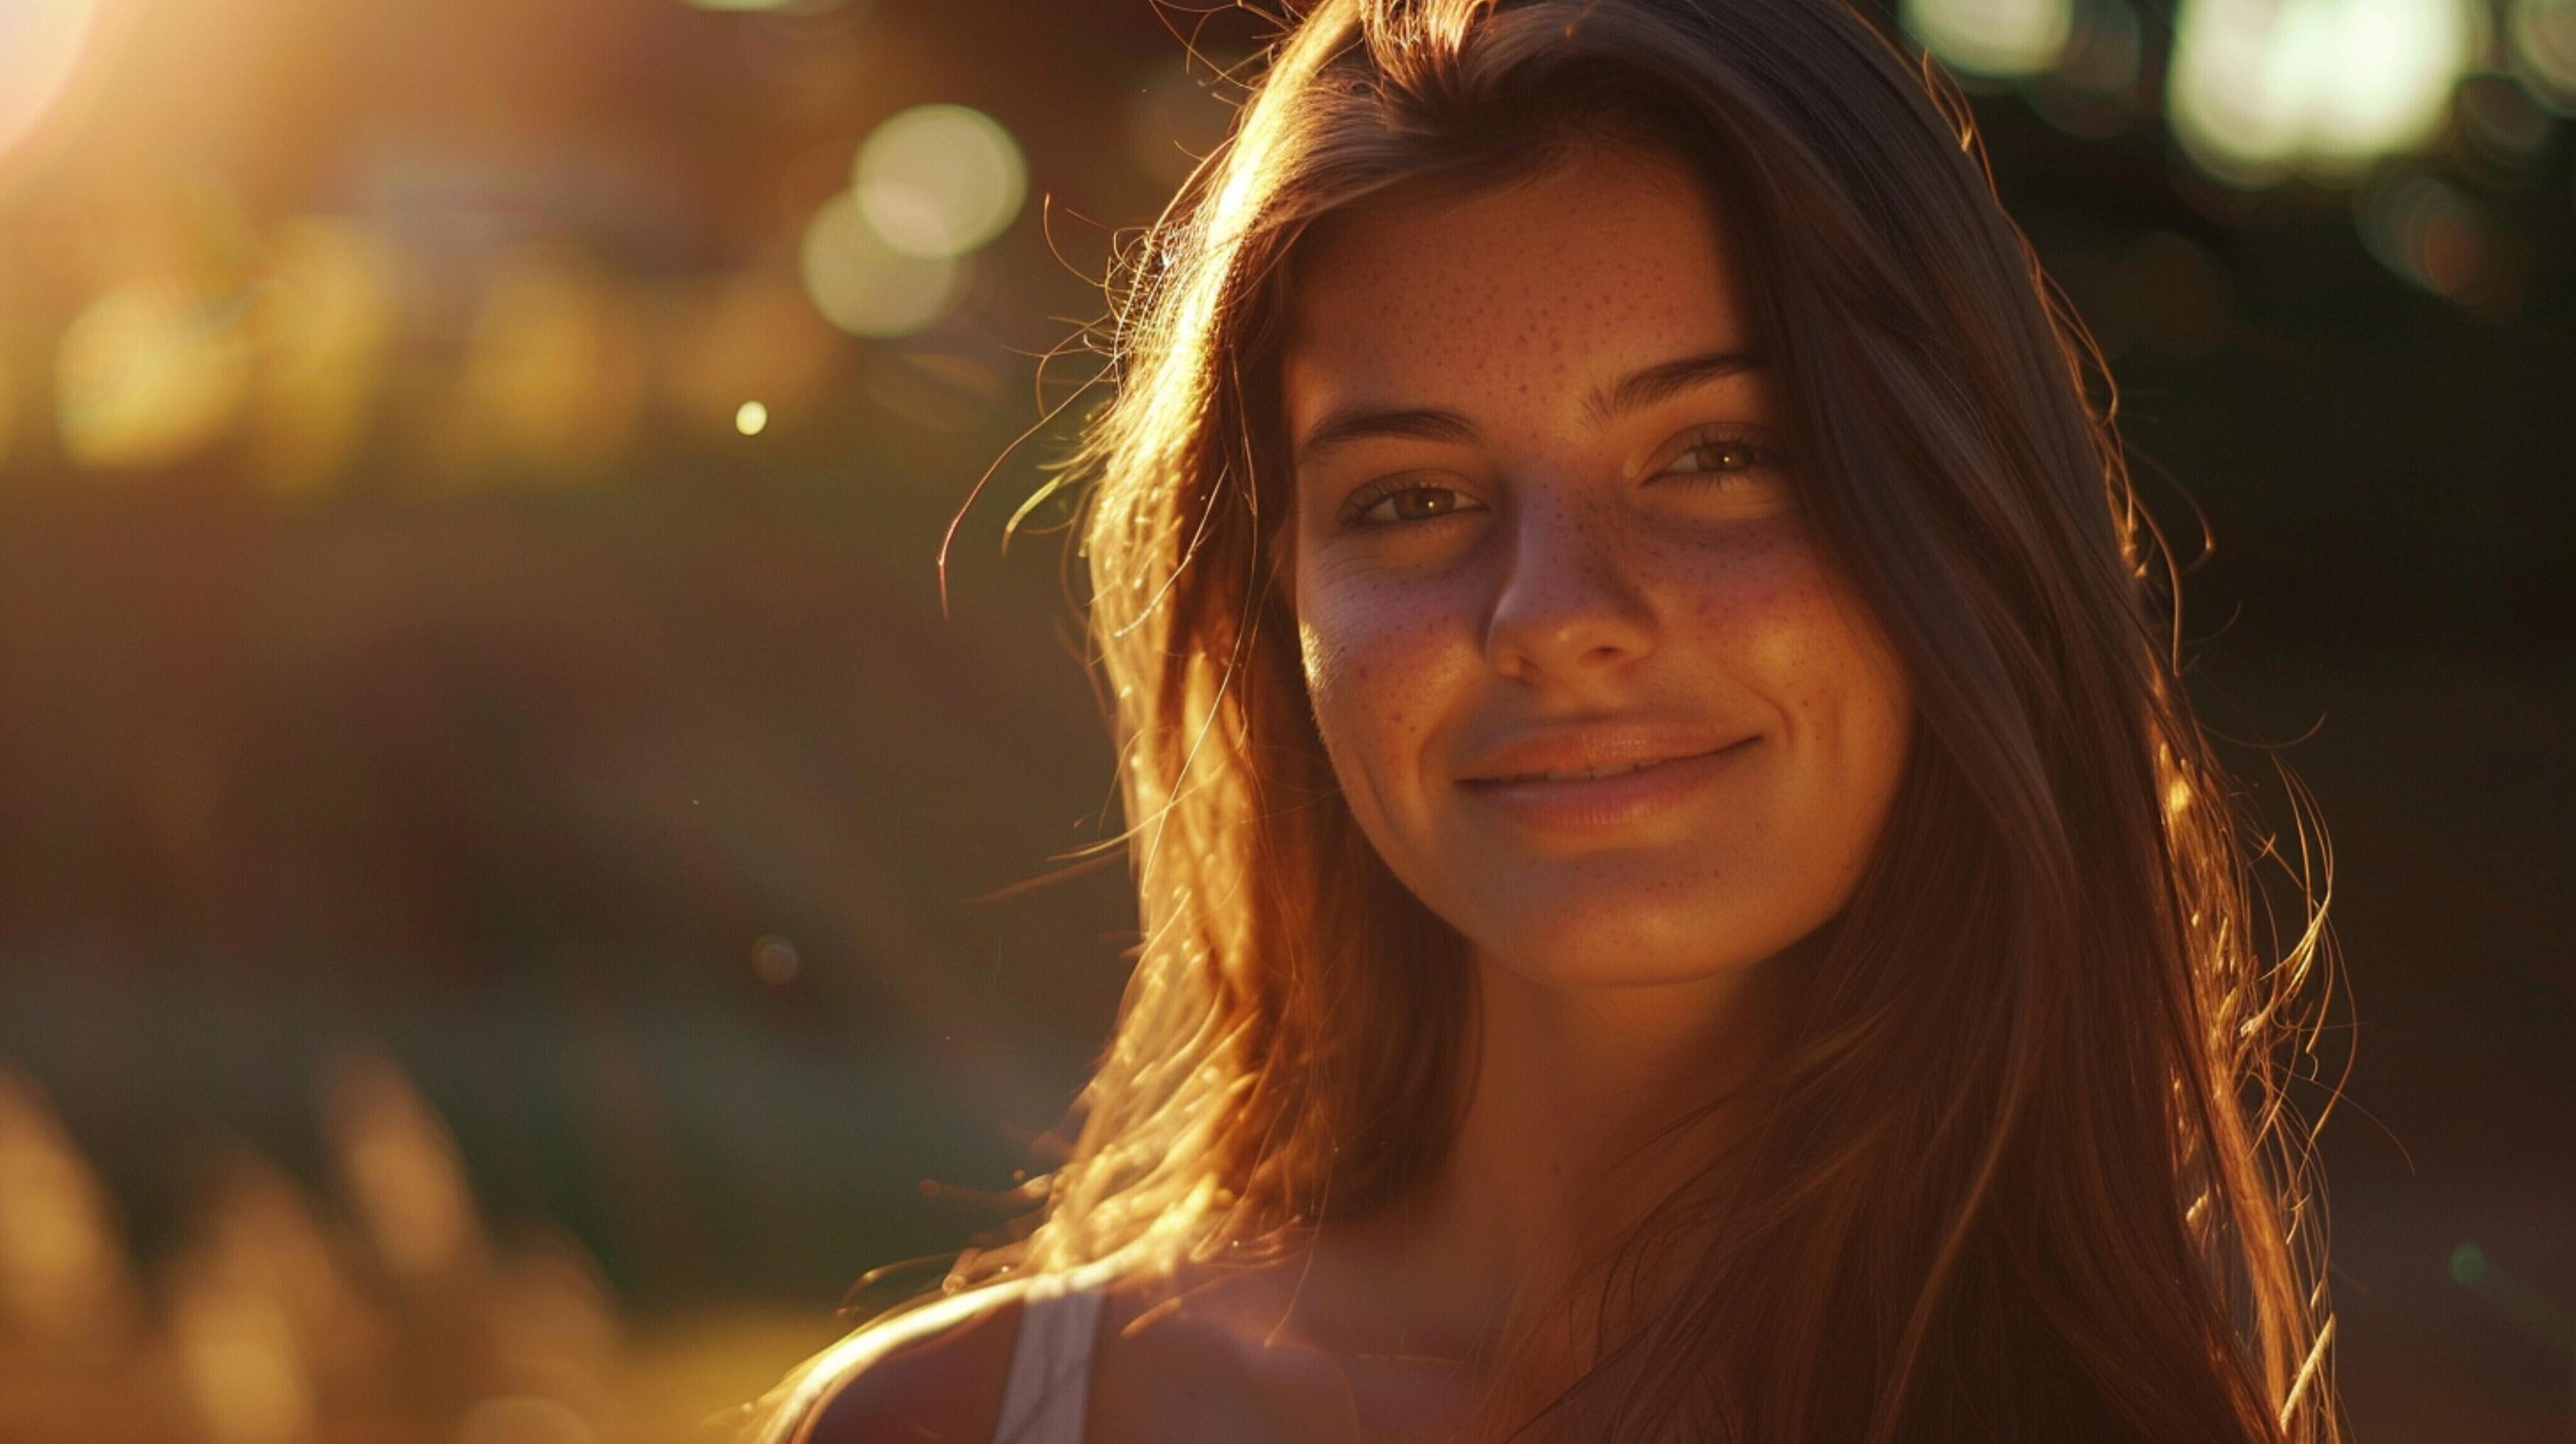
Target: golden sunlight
point(41, 45)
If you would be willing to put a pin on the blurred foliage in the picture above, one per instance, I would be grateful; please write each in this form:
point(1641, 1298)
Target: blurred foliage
point(394, 1317)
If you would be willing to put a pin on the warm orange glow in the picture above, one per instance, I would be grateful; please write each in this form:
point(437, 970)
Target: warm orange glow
point(8, 410)
point(62, 1268)
point(237, 1354)
point(744, 338)
point(152, 372)
point(326, 327)
point(555, 379)
point(555, 1332)
point(524, 1421)
point(276, 1327)
point(261, 1227)
point(401, 1169)
point(41, 45)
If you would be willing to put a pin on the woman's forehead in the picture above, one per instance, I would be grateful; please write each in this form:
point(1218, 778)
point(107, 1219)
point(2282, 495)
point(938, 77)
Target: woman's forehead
point(1592, 267)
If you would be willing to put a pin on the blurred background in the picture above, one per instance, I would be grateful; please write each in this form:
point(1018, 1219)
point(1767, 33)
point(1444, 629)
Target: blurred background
point(510, 883)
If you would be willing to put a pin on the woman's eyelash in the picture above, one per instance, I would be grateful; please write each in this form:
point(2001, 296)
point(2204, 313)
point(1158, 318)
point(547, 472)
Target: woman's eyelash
point(1748, 453)
point(1356, 514)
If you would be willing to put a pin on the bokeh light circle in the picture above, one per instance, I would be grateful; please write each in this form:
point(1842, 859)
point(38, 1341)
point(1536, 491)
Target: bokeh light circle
point(1992, 37)
point(2429, 232)
point(864, 285)
point(2256, 89)
point(2544, 47)
point(148, 373)
point(940, 180)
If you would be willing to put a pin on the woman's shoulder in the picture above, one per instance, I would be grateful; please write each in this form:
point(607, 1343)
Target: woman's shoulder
point(940, 1371)
point(931, 1373)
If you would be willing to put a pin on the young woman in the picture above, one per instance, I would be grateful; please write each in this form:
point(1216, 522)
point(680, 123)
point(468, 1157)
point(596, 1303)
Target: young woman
point(1681, 895)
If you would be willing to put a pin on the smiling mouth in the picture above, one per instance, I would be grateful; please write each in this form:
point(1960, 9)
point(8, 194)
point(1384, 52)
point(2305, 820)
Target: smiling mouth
point(1618, 770)
point(1603, 799)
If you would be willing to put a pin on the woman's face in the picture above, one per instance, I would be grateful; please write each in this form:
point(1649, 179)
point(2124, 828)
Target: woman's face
point(1543, 530)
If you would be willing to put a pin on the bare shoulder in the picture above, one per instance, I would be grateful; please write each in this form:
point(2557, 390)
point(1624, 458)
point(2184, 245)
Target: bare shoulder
point(930, 1376)
point(1209, 1351)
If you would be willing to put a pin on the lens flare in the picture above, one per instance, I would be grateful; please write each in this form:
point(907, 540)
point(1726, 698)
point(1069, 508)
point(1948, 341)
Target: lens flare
point(41, 45)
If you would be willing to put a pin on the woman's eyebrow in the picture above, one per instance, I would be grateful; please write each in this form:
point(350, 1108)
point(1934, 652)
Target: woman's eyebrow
point(1347, 424)
point(1663, 381)
point(1633, 392)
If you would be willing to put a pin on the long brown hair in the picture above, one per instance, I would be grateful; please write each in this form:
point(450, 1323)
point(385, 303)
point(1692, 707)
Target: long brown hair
point(2025, 1170)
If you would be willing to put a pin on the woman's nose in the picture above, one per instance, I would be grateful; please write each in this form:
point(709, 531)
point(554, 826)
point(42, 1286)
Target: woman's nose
point(1566, 601)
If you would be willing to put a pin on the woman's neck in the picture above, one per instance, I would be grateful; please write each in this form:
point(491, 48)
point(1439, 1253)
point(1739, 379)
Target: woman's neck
point(1585, 1108)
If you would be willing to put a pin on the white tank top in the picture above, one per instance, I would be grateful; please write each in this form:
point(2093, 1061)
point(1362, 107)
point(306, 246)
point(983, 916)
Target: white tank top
point(1049, 1379)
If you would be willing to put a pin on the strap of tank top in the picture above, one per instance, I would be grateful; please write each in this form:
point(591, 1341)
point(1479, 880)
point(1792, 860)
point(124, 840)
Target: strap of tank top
point(1049, 1381)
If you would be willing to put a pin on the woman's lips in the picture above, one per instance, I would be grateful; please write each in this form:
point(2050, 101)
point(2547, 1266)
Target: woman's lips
point(1598, 804)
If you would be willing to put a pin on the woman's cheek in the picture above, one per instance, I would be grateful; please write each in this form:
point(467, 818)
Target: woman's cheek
point(1371, 654)
point(1797, 634)
point(1759, 597)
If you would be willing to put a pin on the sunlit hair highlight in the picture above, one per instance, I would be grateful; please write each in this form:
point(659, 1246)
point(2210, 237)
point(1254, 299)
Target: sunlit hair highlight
point(2028, 1167)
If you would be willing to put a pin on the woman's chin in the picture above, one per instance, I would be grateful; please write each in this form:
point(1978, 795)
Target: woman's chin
point(1581, 953)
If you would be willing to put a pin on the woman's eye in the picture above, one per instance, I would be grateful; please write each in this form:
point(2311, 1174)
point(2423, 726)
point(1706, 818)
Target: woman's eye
point(1407, 502)
point(1722, 456)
